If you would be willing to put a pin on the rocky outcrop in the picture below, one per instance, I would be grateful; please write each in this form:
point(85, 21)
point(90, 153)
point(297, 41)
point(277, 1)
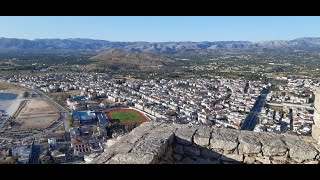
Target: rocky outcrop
point(155, 143)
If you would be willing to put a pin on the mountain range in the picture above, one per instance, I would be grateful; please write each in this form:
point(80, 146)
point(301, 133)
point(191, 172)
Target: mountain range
point(91, 45)
point(116, 59)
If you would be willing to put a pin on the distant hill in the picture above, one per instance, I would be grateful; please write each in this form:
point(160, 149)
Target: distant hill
point(78, 44)
point(118, 59)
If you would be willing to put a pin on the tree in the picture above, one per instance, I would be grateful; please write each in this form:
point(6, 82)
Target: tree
point(126, 128)
point(64, 96)
point(12, 160)
point(64, 149)
point(70, 118)
point(26, 94)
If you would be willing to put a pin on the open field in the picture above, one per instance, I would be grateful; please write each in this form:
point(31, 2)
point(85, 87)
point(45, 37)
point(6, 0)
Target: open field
point(127, 116)
point(105, 100)
point(130, 79)
point(36, 114)
point(10, 88)
point(71, 92)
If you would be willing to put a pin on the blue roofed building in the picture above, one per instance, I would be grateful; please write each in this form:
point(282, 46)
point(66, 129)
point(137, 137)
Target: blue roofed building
point(84, 116)
point(101, 118)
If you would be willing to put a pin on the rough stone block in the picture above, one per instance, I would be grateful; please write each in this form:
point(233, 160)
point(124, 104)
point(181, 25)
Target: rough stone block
point(177, 148)
point(202, 137)
point(232, 157)
point(149, 124)
point(166, 136)
point(197, 160)
point(263, 160)
point(132, 158)
point(249, 160)
point(185, 135)
point(298, 160)
point(137, 133)
point(259, 155)
point(192, 151)
point(226, 139)
point(120, 147)
point(206, 161)
point(249, 143)
point(188, 160)
point(210, 154)
point(178, 157)
point(278, 162)
point(300, 150)
point(316, 132)
point(150, 145)
point(272, 144)
point(132, 137)
point(279, 158)
point(312, 162)
point(104, 157)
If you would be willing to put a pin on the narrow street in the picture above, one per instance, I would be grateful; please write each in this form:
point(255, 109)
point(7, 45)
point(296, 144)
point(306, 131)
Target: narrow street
point(35, 154)
point(291, 120)
point(251, 119)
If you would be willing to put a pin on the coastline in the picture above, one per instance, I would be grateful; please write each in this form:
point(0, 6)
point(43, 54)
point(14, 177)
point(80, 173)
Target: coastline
point(15, 105)
point(11, 106)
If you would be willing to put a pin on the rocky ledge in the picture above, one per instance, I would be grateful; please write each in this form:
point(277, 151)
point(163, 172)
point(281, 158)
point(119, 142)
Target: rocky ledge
point(156, 143)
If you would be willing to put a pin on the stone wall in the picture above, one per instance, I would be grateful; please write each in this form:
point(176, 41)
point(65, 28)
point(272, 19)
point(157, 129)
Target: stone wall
point(155, 143)
point(316, 117)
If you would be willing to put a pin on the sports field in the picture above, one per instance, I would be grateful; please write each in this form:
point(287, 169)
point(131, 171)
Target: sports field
point(127, 116)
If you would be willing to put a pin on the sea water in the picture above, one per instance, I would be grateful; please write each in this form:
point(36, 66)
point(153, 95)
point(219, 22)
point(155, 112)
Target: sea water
point(6, 99)
point(8, 96)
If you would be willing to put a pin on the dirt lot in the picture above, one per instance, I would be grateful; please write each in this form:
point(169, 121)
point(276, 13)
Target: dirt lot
point(105, 100)
point(72, 93)
point(10, 88)
point(130, 79)
point(37, 114)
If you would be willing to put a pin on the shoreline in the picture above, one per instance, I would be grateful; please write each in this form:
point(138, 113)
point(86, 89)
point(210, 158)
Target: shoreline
point(14, 107)
point(11, 106)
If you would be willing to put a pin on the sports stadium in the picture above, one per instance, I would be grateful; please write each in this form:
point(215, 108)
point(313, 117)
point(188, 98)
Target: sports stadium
point(126, 116)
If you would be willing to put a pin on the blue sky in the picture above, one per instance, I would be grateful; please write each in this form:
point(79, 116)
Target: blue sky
point(161, 28)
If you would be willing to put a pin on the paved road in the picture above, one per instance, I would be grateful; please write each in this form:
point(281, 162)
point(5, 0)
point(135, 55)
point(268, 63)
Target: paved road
point(63, 112)
point(250, 121)
point(35, 154)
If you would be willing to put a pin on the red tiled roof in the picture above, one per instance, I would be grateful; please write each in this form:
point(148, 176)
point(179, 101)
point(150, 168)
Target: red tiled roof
point(75, 141)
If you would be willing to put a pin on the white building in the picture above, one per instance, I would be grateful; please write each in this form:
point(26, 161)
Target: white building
point(52, 142)
point(23, 153)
